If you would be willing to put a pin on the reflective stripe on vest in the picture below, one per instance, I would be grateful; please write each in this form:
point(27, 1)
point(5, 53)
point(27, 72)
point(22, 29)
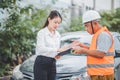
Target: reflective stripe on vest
point(101, 66)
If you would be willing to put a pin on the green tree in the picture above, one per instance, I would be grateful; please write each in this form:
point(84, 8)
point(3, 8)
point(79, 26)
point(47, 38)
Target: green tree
point(7, 3)
point(111, 20)
point(76, 25)
point(18, 33)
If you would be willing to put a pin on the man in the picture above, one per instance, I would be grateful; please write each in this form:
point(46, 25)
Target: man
point(100, 54)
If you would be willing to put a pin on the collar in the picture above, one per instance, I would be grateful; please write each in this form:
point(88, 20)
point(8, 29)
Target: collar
point(48, 32)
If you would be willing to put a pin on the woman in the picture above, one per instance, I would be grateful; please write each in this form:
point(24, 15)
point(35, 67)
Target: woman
point(48, 42)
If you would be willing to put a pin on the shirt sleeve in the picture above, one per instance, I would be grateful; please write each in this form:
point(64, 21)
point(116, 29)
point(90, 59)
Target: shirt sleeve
point(41, 48)
point(104, 42)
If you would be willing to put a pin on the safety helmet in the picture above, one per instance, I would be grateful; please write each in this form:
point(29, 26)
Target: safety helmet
point(90, 15)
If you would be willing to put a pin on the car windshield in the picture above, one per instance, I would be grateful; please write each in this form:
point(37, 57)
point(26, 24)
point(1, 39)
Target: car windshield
point(85, 39)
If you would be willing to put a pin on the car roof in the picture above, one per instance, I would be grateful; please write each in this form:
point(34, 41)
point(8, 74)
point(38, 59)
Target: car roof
point(75, 35)
point(82, 36)
point(84, 33)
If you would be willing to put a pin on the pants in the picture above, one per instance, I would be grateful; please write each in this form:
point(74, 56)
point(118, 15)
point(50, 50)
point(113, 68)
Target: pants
point(104, 77)
point(44, 68)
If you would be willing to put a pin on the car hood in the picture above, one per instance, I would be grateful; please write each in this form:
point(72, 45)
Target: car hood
point(71, 64)
point(66, 64)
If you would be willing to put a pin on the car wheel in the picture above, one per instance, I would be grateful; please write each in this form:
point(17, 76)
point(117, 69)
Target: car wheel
point(117, 73)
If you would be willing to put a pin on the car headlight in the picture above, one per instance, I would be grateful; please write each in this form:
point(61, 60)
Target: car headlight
point(16, 73)
point(83, 76)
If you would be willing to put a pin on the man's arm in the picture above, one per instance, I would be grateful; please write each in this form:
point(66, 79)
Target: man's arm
point(104, 42)
point(94, 53)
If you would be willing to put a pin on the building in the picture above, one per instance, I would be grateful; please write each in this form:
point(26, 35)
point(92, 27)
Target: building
point(80, 6)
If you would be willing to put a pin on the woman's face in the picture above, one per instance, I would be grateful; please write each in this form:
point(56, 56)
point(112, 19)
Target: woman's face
point(54, 23)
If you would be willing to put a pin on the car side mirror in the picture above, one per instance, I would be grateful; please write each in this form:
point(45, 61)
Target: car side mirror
point(117, 53)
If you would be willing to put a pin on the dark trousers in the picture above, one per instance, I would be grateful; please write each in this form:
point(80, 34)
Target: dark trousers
point(44, 68)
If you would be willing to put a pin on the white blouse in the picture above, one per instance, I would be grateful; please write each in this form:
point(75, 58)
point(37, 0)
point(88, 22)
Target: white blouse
point(47, 44)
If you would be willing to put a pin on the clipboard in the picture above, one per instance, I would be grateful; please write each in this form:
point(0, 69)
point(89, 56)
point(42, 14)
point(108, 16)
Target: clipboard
point(68, 51)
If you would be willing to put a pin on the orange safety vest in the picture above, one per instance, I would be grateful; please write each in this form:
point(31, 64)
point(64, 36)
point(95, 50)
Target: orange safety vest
point(101, 66)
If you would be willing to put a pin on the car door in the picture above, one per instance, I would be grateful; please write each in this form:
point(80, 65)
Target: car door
point(117, 57)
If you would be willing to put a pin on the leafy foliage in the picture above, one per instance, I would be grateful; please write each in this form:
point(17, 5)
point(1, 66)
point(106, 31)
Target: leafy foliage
point(76, 25)
point(18, 34)
point(7, 3)
point(111, 20)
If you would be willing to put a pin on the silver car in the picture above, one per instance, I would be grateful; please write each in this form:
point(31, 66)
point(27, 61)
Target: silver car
point(70, 66)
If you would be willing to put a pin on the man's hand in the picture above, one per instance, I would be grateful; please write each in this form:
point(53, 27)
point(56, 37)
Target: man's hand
point(77, 50)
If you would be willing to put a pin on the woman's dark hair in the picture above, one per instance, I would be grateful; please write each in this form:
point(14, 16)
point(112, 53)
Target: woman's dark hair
point(52, 15)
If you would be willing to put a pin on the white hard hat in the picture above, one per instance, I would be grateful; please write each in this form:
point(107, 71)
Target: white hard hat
point(90, 16)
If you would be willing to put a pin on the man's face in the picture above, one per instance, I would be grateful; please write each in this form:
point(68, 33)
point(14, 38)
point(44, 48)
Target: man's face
point(88, 27)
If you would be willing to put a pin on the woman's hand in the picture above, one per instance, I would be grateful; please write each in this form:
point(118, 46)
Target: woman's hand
point(75, 43)
point(57, 57)
point(63, 48)
point(78, 43)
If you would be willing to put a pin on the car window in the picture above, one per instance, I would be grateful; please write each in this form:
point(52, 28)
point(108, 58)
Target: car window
point(117, 42)
point(118, 38)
